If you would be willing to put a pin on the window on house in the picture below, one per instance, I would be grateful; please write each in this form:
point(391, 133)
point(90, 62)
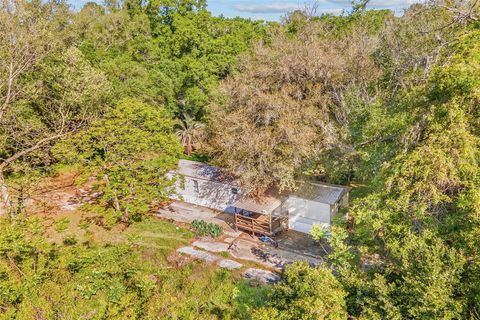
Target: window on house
point(195, 185)
point(234, 191)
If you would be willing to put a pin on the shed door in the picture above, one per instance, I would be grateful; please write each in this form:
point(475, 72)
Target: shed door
point(303, 214)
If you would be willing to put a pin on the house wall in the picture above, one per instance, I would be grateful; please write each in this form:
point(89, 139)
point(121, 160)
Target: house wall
point(303, 214)
point(209, 194)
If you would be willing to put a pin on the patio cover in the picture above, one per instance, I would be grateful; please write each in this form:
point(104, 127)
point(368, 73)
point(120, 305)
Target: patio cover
point(264, 205)
point(321, 192)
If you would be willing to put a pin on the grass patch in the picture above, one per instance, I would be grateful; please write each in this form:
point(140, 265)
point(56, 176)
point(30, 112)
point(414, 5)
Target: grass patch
point(225, 254)
point(157, 236)
point(61, 168)
point(70, 240)
point(84, 224)
point(196, 157)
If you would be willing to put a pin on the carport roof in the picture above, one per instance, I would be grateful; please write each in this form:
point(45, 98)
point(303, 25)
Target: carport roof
point(265, 204)
point(323, 193)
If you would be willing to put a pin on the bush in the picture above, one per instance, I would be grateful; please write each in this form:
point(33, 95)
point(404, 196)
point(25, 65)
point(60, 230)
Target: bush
point(70, 240)
point(305, 292)
point(203, 228)
point(318, 231)
point(116, 280)
point(84, 224)
point(62, 225)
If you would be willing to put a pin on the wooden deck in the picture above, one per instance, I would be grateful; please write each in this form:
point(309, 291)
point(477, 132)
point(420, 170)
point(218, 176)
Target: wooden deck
point(257, 223)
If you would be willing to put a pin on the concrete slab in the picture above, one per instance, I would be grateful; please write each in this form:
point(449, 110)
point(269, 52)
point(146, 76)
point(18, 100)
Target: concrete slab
point(267, 255)
point(243, 246)
point(261, 275)
point(197, 254)
point(302, 244)
point(70, 206)
point(288, 257)
point(211, 246)
point(186, 212)
point(252, 251)
point(229, 264)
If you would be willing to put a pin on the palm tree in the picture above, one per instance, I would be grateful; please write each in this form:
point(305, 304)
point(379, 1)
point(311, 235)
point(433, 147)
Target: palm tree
point(189, 132)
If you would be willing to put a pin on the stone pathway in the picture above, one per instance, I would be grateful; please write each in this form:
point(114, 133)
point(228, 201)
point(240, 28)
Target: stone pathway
point(210, 258)
point(240, 245)
point(211, 246)
point(261, 275)
point(184, 212)
point(197, 254)
point(229, 264)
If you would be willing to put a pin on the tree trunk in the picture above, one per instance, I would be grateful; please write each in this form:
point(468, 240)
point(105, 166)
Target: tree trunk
point(125, 216)
point(8, 94)
point(116, 203)
point(5, 204)
point(188, 147)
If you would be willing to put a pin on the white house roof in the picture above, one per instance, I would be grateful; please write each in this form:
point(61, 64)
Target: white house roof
point(199, 170)
point(323, 193)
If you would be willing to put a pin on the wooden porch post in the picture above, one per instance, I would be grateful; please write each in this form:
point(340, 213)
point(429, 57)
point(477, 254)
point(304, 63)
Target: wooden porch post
point(270, 224)
point(236, 222)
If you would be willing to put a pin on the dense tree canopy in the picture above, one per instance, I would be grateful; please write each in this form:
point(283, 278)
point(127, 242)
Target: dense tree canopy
point(386, 103)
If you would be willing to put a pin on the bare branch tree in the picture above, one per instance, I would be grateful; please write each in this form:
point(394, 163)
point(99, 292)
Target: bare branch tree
point(57, 96)
point(463, 11)
point(24, 40)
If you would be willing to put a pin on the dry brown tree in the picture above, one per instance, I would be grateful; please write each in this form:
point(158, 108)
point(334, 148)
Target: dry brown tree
point(286, 105)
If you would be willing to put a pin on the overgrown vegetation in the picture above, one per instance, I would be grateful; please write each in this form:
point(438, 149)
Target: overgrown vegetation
point(122, 90)
point(111, 280)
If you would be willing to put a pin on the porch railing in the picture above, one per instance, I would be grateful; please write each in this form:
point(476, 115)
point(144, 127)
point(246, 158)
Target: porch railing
point(263, 225)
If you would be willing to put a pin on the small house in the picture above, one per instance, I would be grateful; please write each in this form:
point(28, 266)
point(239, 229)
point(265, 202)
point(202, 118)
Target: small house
point(313, 203)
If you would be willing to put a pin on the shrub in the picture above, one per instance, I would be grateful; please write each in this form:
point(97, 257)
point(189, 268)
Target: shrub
point(84, 224)
point(305, 292)
point(70, 240)
point(62, 225)
point(203, 228)
point(318, 231)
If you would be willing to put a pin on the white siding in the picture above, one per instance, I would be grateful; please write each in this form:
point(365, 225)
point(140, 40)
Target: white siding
point(303, 214)
point(210, 194)
point(301, 224)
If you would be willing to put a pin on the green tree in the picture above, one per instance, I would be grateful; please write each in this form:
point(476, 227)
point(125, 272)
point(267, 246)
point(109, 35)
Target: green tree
point(305, 293)
point(170, 53)
point(190, 132)
point(419, 282)
point(129, 151)
point(419, 223)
